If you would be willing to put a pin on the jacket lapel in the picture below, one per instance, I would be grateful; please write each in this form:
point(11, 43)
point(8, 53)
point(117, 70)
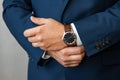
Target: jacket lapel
point(63, 8)
point(64, 4)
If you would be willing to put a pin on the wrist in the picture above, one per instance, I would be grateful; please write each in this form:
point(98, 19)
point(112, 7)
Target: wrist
point(67, 28)
point(69, 37)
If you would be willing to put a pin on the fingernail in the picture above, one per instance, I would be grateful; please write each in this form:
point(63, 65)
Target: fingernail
point(31, 17)
point(24, 33)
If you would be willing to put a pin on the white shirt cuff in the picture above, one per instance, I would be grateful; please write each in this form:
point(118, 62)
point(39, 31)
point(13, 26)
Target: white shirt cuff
point(45, 56)
point(79, 42)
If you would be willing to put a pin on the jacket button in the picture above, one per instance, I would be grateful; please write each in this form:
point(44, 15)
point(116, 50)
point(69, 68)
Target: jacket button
point(107, 41)
point(98, 45)
point(103, 43)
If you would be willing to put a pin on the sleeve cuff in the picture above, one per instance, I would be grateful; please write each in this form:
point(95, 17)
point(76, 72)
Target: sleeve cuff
point(79, 42)
point(45, 56)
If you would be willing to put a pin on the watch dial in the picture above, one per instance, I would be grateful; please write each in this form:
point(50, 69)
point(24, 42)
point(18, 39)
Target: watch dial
point(69, 38)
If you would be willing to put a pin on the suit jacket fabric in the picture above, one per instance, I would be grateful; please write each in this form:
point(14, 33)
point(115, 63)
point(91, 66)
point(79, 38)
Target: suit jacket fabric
point(97, 23)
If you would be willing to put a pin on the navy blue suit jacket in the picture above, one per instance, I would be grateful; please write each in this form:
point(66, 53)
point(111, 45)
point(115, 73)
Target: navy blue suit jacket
point(97, 23)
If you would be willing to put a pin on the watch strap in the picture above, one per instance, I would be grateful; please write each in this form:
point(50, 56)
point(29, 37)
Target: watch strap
point(68, 28)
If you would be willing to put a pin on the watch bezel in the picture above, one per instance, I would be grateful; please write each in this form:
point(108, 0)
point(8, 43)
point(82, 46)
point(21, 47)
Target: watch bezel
point(69, 43)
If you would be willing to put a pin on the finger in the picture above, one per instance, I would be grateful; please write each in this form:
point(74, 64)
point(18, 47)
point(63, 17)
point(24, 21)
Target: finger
point(73, 50)
point(32, 39)
point(35, 39)
point(32, 31)
point(38, 44)
point(72, 62)
point(79, 49)
point(35, 44)
point(71, 65)
point(76, 57)
point(38, 21)
point(65, 64)
point(53, 55)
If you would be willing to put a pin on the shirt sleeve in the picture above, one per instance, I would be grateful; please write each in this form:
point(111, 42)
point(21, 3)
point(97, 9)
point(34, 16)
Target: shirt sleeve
point(45, 56)
point(79, 42)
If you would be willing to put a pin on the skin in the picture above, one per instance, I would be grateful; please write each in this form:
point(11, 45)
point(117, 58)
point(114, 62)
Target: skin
point(46, 36)
point(69, 57)
point(49, 38)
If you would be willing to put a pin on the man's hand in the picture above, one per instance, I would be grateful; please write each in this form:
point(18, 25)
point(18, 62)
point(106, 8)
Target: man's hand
point(69, 57)
point(48, 35)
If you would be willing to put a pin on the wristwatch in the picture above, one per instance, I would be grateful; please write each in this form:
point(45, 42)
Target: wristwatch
point(69, 37)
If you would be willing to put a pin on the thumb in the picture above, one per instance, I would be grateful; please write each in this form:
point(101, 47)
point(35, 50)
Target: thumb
point(38, 21)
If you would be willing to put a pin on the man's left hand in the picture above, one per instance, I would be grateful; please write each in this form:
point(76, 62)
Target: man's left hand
point(47, 35)
point(69, 57)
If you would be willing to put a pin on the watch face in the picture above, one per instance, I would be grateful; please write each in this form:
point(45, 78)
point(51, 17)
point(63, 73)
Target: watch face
point(69, 38)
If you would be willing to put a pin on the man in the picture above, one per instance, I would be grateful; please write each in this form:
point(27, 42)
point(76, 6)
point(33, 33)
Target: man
point(71, 39)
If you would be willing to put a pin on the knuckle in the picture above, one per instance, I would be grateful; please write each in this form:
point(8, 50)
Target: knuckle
point(38, 30)
point(39, 19)
point(39, 38)
point(64, 53)
point(43, 44)
point(64, 59)
point(48, 49)
point(81, 49)
point(80, 57)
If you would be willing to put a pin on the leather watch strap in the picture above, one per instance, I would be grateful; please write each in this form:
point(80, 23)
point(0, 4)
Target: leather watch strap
point(68, 28)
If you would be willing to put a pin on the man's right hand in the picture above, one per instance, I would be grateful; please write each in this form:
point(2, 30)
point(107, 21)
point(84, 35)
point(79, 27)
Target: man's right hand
point(69, 57)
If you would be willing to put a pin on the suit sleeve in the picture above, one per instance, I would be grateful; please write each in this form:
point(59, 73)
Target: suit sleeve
point(16, 15)
point(100, 30)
